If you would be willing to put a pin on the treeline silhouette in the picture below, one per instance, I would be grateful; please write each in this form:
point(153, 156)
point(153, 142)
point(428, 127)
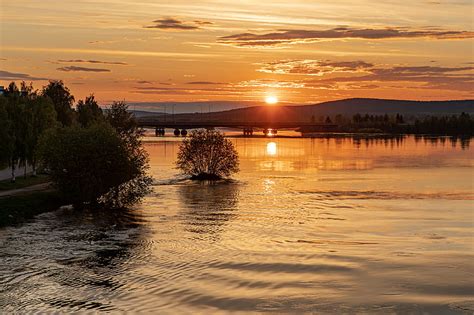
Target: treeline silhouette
point(94, 158)
point(453, 125)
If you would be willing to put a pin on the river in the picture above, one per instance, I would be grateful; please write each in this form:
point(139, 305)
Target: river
point(336, 225)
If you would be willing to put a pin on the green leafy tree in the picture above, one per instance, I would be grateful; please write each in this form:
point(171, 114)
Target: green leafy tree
point(40, 116)
point(6, 139)
point(93, 166)
point(127, 128)
point(124, 122)
point(89, 112)
point(62, 101)
point(207, 154)
point(15, 108)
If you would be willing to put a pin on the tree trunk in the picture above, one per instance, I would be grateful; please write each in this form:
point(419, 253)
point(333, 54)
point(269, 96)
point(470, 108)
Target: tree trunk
point(13, 179)
point(33, 165)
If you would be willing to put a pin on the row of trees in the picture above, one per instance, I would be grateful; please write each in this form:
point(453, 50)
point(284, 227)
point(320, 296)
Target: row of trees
point(25, 115)
point(93, 157)
point(454, 125)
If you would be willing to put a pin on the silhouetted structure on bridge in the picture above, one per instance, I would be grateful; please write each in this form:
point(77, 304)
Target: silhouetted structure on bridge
point(248, 128)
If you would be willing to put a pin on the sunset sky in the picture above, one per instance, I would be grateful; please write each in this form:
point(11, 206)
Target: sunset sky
point(302, 51)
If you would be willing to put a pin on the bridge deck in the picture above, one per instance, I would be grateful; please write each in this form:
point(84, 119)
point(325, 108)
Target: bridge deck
point(233, 124)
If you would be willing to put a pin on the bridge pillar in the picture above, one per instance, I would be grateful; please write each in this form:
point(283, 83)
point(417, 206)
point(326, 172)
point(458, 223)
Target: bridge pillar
point(184, 132)
point(176, 132)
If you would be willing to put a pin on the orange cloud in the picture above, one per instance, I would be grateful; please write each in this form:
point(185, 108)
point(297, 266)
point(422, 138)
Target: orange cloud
point(309, 36)
point(174, 24)
point(83, 69)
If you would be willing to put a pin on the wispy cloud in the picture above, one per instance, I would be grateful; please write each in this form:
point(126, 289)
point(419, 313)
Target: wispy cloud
point(424, 77)
point(111, 52)
point(204, 83)
point(198, 22)
point(282, 37)
point(175, 24)
point(186, 91)
point(313, 67)
point(264, 83)
point(83, 69)
point(6, 75)
point(92, 61)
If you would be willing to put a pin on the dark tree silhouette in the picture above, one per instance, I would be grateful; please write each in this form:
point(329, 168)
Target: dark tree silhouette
point(89, 112)
point(93, 166)
point(40, 117)
point(62, 100)
point(123, 121)
point(207, 154)
point(6, 137)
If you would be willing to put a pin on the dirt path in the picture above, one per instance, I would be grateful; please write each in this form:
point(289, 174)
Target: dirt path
point(19, 191)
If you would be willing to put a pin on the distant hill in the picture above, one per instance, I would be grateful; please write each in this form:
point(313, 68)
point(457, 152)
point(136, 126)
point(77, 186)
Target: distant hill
point(142, 113)
point(191, 107)
point(346, 107)
point(382, 106)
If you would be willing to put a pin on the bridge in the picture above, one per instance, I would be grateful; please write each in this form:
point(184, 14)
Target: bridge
point(248, 127)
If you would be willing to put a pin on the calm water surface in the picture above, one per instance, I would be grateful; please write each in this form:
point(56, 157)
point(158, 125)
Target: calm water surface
point(308, 225)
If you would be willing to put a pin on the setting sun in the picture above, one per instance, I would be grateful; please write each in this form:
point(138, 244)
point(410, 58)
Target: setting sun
point(271, 99)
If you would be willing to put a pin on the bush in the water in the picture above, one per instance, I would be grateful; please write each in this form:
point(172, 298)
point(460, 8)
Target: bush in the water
point(207, 154)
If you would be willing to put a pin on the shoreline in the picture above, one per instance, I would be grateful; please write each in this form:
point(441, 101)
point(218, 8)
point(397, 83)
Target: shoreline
point(17, 209)
point(153, 138)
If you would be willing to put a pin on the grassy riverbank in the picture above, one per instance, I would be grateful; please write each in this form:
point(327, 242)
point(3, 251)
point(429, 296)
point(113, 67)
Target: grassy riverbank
point(22, 203)
point(22, 182)
point(18, 208)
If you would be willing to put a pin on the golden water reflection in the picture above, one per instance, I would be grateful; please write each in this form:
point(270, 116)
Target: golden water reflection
point(271, 148)
point(325, 225)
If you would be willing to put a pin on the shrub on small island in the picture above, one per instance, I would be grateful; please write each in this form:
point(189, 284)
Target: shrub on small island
point(207, 155)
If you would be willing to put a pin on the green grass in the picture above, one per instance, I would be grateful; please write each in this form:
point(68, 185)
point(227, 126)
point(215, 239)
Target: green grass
point(22, 182)
point(16, 209)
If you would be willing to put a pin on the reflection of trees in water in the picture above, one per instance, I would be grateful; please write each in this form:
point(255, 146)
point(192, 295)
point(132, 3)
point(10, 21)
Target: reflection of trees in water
point(386, 140)
point(397, 140)
point(208, 206)
point(463, 142)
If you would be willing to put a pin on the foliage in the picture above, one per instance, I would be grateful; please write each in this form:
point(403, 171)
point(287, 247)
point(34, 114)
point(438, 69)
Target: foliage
point(17, 131)
point(89, 112)
point(62, 101)
point(123, 121)
point(94, 166)
point(40, 116)
point(6, 137)
point(454, 125)
point(207, 154)
point(24, 117)
point(99, 160)
point(127, 128)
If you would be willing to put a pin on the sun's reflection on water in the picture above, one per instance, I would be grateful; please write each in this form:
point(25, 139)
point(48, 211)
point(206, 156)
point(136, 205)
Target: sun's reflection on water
point(272, 149)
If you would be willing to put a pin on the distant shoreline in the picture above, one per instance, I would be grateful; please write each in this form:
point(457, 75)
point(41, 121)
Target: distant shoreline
point(324, 135)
